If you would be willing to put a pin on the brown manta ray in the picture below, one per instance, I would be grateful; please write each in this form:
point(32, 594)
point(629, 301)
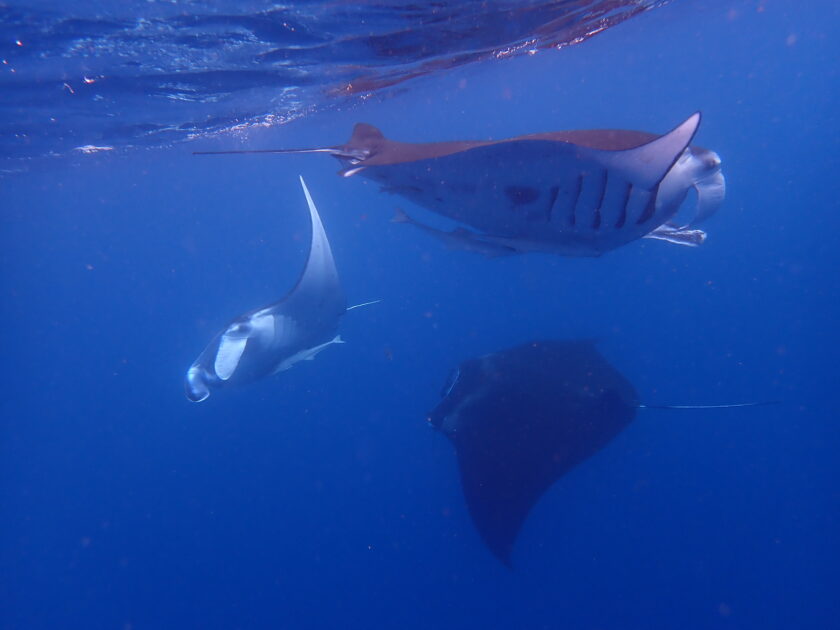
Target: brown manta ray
point(573, 193)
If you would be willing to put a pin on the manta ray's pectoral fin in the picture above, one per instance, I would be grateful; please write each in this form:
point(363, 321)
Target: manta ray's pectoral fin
point(646, 165)
point(678, 235)
point(319, 283)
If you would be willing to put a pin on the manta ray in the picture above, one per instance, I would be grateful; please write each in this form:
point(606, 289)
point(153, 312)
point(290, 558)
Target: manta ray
point(522, 418)
point(572, 193)
point(273, 338)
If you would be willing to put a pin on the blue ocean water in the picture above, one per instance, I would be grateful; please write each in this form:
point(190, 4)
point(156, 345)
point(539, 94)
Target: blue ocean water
point(320, 498)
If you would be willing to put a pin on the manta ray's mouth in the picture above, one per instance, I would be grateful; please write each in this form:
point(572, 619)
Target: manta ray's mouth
point(195, 386)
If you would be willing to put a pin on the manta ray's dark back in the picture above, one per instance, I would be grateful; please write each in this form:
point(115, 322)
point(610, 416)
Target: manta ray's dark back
point(520, 419)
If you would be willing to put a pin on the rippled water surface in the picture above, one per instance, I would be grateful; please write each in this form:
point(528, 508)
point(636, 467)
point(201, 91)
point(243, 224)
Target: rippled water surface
point(96, 75)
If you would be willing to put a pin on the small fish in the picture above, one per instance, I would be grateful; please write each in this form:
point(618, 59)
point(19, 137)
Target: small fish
point(457, 239)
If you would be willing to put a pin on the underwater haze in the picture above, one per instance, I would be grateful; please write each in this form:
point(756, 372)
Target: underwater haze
point(320, 497)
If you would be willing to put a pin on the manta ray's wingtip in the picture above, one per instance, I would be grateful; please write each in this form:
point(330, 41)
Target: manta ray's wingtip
point(649, 163)
point(690, 125)
point(400, 216)
point(312, 210)
point(503, 556)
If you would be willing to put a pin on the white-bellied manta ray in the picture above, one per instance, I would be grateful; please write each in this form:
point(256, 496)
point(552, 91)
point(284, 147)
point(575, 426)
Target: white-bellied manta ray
point(273, 338)
point(521, 418)
point(572, 193)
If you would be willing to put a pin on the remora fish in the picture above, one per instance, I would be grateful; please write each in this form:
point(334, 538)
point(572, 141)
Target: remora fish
point(457, 239)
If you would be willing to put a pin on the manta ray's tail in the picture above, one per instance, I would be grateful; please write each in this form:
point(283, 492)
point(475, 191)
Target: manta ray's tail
point(350, 308)
point(330, 150)
point(761, 403)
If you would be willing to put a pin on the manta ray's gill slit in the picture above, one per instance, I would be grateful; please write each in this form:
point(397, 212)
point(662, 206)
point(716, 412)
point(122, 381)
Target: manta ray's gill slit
point(650, 208)
point(575, 199)
point(596, 215)
point(552, 199)
point(622, 218)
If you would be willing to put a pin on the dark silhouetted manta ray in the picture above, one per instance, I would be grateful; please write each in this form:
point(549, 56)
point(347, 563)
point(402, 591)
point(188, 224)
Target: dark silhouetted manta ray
point(522, 418)
point(573, 193)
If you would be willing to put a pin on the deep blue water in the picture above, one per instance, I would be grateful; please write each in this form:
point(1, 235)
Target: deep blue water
point(320, 498)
